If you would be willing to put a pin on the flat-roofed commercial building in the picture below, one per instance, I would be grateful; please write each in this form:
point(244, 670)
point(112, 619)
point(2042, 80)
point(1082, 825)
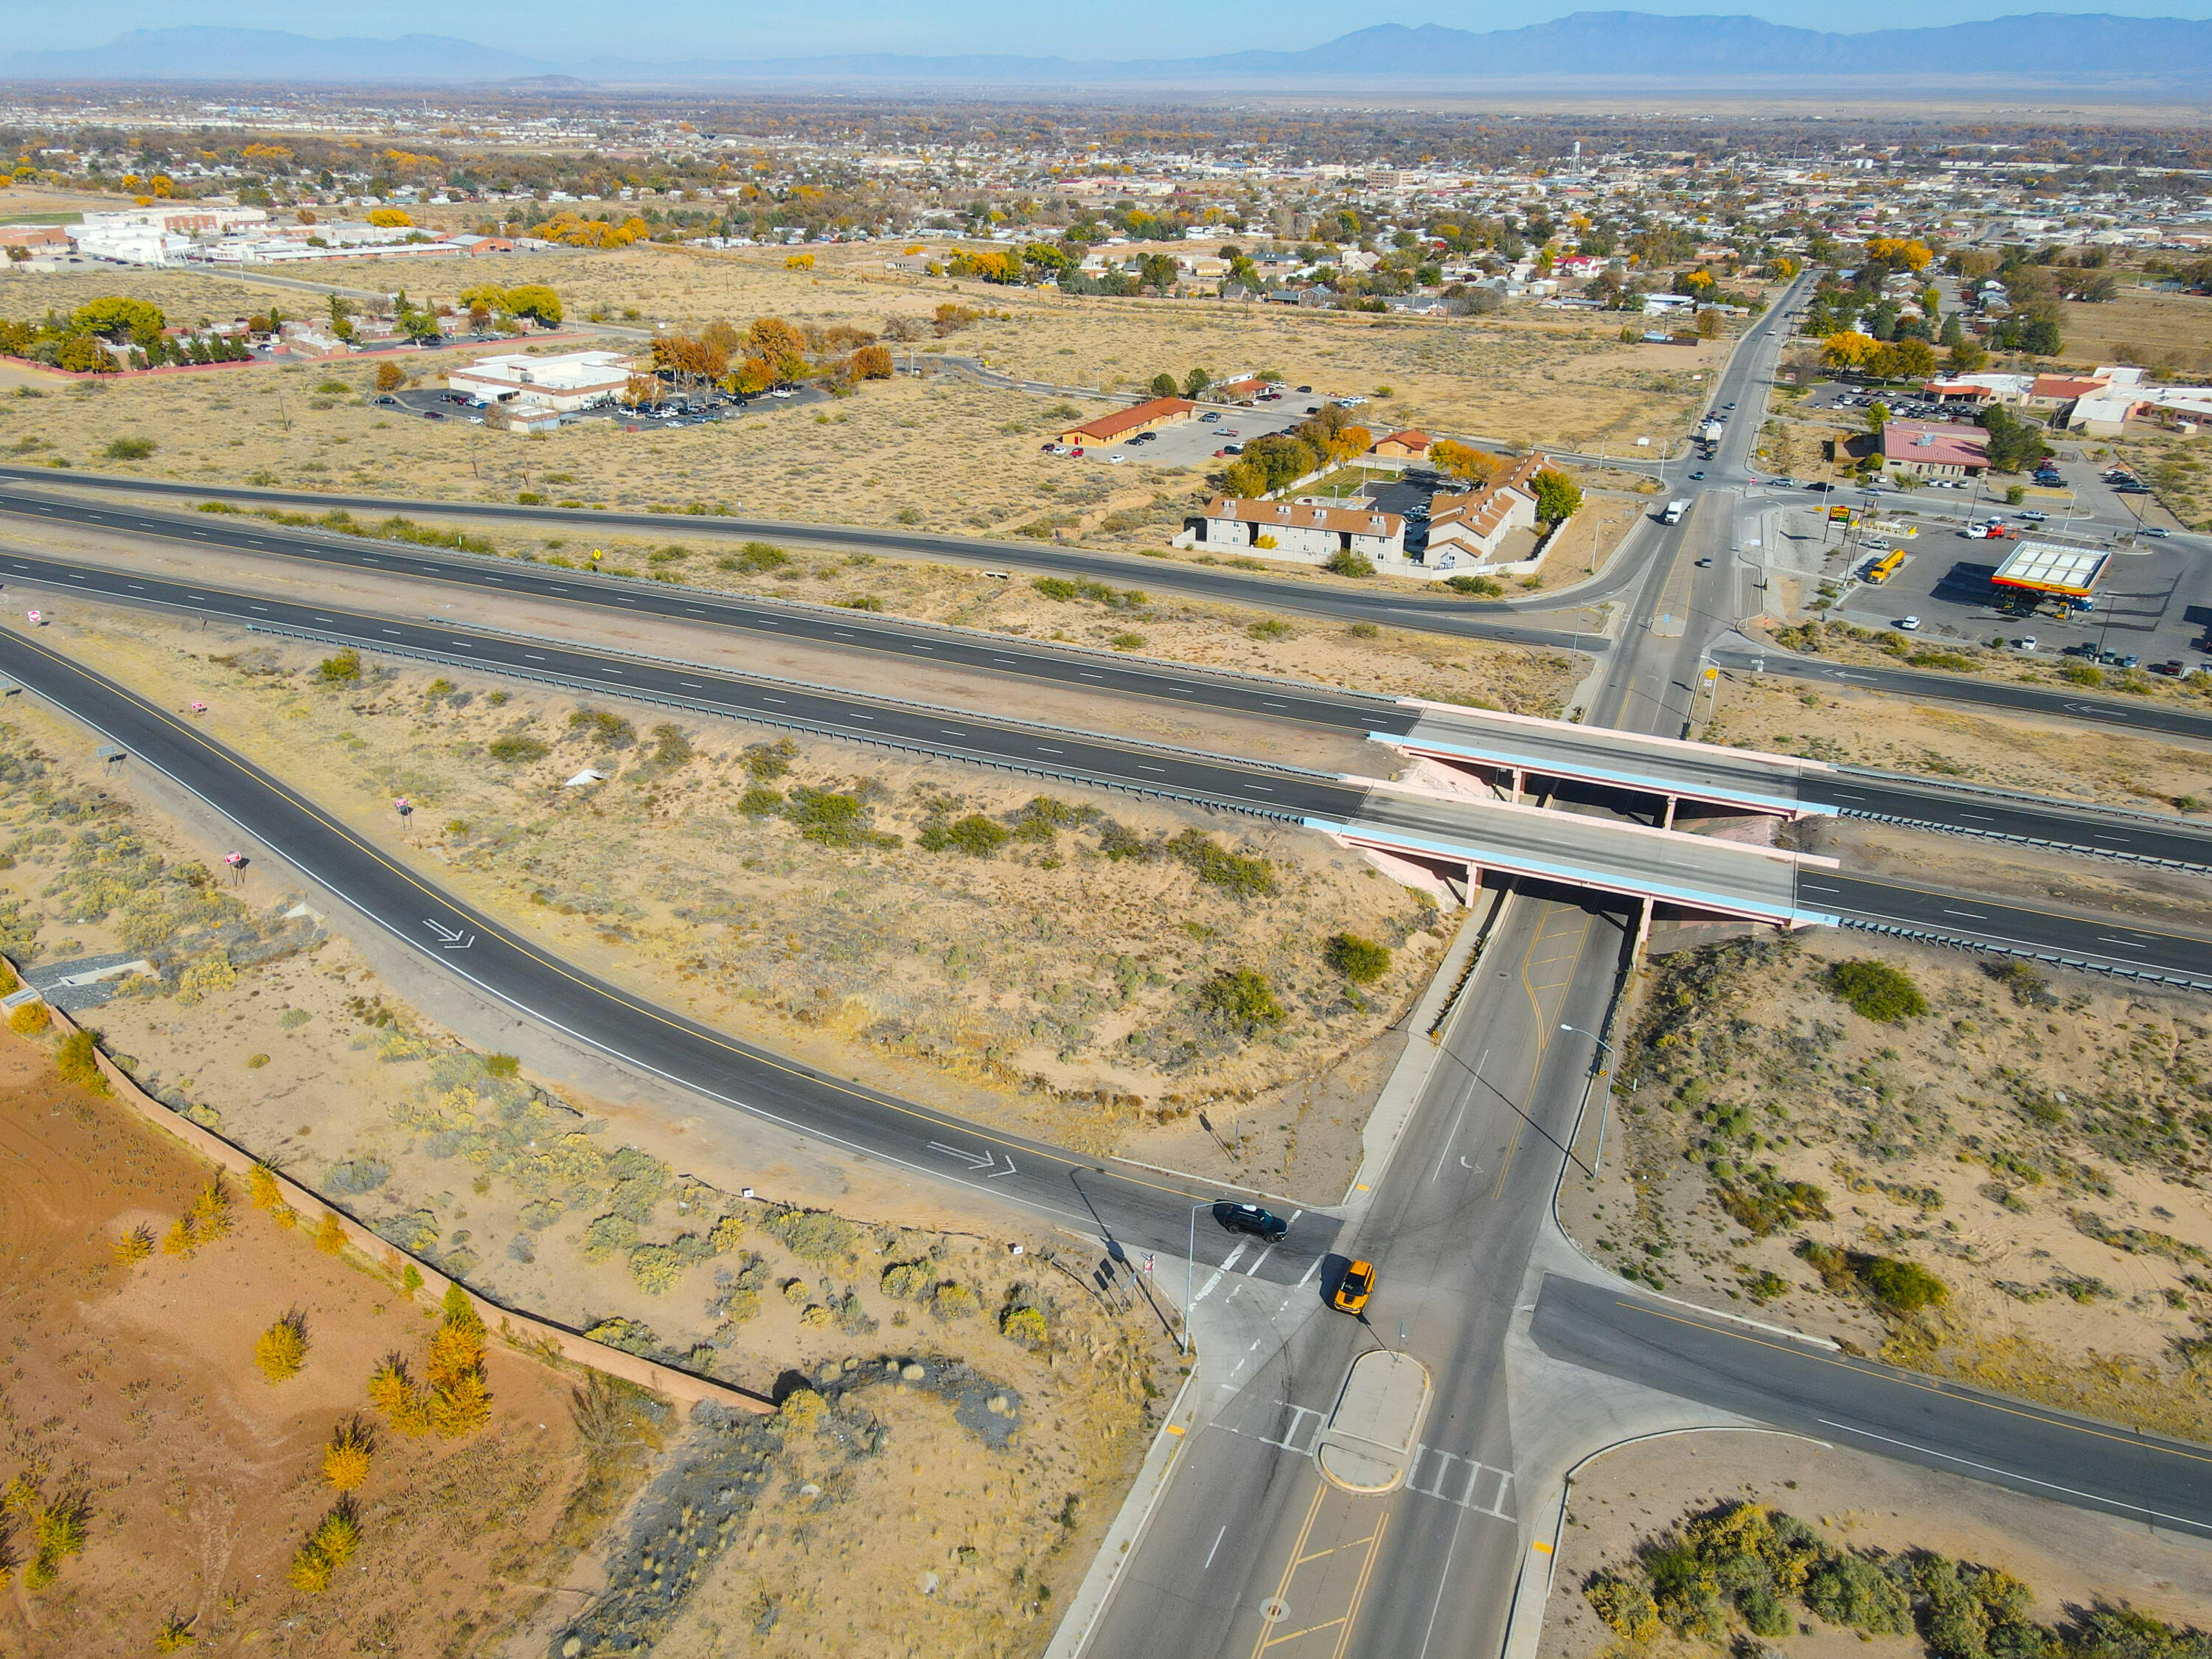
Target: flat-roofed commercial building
point(573, 380)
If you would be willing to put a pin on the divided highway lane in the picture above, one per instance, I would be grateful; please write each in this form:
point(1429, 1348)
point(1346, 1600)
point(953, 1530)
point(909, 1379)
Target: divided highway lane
point(1873, 1407)
point(1978, 922)
point(1246, 786)
point(2146, 715)
point(1463, 618)
point(1137, 1210)
point(2016, 817)
point(848, 630)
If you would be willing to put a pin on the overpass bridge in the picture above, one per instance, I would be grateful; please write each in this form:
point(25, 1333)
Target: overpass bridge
point(1518, 747)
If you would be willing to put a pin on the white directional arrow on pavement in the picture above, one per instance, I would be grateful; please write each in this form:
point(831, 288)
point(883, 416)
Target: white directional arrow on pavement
point(983, 1164)
point(450, 939)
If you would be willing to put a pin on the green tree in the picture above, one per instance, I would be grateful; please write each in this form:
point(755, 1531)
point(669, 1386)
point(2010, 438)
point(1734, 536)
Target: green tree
point(1157, 270)
point(1196, 382)
point(117, 318)
point(1163, 385)
point(536, 301)
point(1877, 417)
point(1559, 498)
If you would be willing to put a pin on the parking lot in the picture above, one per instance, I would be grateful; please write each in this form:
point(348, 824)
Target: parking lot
point(1192, 443)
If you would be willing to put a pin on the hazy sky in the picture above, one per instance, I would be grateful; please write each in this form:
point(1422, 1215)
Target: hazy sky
point(1077, 28)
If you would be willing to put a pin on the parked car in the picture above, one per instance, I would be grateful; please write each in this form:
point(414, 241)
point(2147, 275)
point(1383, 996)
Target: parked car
point(2025, 642)
point(1211, 415)
point(1251, 1218)
point(1909, 624)
point(2035, 517)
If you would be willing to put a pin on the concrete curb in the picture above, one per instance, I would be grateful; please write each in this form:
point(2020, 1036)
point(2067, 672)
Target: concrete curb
point(1401, 1093)
point(519, 1330)
point(1119, 1548)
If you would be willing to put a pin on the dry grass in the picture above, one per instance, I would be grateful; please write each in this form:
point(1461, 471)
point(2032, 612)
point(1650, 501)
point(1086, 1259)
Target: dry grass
point(2029, 1141)
point(2171, 332)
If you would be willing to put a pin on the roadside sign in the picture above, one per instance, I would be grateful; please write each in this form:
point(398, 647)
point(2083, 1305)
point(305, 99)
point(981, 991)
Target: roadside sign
point(1148, 1261)
point(1712, 674)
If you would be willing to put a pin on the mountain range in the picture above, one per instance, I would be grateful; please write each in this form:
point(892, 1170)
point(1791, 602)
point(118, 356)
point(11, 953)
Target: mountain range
point(2045, 48)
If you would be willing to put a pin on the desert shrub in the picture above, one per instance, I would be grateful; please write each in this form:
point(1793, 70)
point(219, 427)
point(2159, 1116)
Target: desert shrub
point(1025, 1326)
point(1362, 961)
point(1055, 587)
point(332, 1544)
point(280, 1350)
point(210, 1216)
point(1242, 1000)
point(1855, 1593)
point(1901, 1286)
point(176, 1633)
point(131, 449)
point(330, 1234)
point(135, 1246)
point(1118, 842)
point(754, 557)
point(54, 1530)
point(346, 1460)
point(655, 1268)
point(77, 1061)
point(1271, 627)
point(831, 819)
point(607, 1237)
point(1345, 562)
point(766, 761)
point(344, 669)
point(726, 1234)
point(1876, 991)
point(908, 1281)
point(516, 747)
point(952, 1300)
point(30, 1019)
point(453, 1399)
point(976, 835)
point(1624, 1606)
point(811, 1235)
point(608, 728)
point(1481, 586)
point(261, 1186)
point(356, 1175)
point(803, 1411)
point(1215, 866)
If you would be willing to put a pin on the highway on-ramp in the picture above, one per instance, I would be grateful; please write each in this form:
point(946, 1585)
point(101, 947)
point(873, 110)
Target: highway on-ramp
point(1099, 1200)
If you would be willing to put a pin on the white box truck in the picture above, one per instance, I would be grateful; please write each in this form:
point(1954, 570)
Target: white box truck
point(1675, 509)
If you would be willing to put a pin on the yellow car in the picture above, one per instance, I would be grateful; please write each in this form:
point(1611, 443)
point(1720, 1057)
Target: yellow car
point(1354, 1288)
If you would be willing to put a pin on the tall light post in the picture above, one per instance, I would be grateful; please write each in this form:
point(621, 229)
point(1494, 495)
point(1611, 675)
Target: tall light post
point(1597, 1160)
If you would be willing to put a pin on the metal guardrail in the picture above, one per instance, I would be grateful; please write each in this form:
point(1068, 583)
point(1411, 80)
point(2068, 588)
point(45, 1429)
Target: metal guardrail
point(2043, 842)
point(817, 728)
point(2057, 959)
point(1991, 792)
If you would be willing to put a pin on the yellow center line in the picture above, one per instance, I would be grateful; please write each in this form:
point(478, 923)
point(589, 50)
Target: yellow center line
point(1536, 994)
point(1924, 1388)
point(1360, 1590)
point(1317, 1554)
point(554, 964)
point(1292, 1636)
point(1260, 1644)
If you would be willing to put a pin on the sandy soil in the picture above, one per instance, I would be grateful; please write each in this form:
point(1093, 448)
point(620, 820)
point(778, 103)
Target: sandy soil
point(2036, 1143)
point(2169, 331)
point(2069, 1558)
point(1047, 985)
point(2013, 751)
point(135, 1388)
point(951, 455)
point(575, 1208)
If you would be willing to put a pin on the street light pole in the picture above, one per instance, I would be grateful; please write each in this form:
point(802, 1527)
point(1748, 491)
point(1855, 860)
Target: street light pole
point(1597, 1159)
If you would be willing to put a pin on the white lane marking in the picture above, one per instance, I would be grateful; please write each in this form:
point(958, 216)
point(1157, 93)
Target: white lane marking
point(1235, 1256)
point(1218, 1537)
point(1253, 1271)
point(2128, 943)
point(2009, 1474)
point(1969, 914)
point(1312, 1268)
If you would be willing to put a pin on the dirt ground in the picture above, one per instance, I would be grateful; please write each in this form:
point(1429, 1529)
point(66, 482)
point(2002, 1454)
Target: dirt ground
point(1007, 1386)
point(133, 1389)
point(950, 455)
point(2037, 1143)
point(2168, 331)
point(2067, 1557)
point(2013, 751)
point(1058, 984)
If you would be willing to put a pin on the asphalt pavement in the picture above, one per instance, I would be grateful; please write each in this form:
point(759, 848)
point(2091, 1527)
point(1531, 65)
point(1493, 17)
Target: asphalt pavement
point(1116, 1207)
point(1341, 601)
point(1876, 1408)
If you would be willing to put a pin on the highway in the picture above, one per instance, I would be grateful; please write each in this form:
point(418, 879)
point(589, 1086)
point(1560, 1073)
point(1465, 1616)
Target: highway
point(1094, 1200)
point(1339, 601)
point(1754, 779)
point(1700, 872)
